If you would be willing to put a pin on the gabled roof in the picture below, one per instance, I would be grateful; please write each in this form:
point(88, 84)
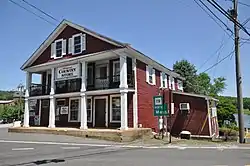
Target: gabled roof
point(66, 23)
point(57, 31)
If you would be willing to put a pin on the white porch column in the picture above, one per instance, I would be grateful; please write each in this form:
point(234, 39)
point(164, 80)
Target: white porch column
point(124, 110)
point(26, 105)
point(123, 72)
point(52, 100)
point(135, 103)
point(83, 107)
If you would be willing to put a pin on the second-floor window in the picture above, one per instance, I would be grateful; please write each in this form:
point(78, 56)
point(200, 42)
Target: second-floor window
point(77, 44)
point(163, 80)
point(58, 49)
point(180, 85)
point(150, 75)
point(116, 71)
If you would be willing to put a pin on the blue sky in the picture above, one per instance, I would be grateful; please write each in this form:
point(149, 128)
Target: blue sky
point(165, 30)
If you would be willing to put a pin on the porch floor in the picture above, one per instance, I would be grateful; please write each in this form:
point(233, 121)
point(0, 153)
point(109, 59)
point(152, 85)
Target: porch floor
point(106, 134)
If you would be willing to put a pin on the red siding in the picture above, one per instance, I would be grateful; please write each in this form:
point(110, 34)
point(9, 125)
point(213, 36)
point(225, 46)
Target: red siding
point(93, 45)
point(145, 97)
point(196, 121)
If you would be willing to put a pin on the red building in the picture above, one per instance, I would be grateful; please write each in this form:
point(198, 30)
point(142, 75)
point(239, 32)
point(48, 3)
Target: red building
point(89, 80)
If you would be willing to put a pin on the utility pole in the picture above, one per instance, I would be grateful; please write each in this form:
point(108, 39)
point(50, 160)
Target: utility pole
point(234, 13)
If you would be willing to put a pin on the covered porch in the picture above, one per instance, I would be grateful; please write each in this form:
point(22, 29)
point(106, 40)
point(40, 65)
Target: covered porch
point(85, 97)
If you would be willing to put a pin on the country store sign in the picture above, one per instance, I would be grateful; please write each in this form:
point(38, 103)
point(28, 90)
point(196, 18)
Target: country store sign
point(67, 72)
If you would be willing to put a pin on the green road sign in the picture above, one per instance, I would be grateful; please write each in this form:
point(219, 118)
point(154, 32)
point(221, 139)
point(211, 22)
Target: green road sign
point(160, 109)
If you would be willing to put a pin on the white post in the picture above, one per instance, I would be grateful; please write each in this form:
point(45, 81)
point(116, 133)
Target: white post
point(52, 112)
point(26, 105)
point(52, 101)
point(135, 104)
point(124, 110)
point(123, 72)
point(83, 107)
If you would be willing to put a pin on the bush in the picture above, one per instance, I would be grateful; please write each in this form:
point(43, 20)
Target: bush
point(228, 131)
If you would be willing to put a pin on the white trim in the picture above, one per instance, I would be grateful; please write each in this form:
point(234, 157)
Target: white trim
point(73, 43)
point(40, 108)
point(135, 96)
point(72, 94)
point(110, 110)
point(78, 118)
point(57, 41)
point(209, 118)
point(91, 112)
point(106, 109)
point(114, 63)
point(163, 78)
point(148, 68)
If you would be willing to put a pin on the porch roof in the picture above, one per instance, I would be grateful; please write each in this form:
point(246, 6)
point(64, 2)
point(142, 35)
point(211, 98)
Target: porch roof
point(196, 95)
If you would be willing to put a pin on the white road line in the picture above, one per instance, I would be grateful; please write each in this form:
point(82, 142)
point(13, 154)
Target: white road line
point(70, 147)
point(125, 146)
point(22, 149)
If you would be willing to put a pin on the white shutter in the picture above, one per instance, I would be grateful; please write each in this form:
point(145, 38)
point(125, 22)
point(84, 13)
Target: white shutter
point(154, 81)
point(173, 83)
point(53, 50)
point(83, 39)
point(147, 74)
point(169, 82)
point(70, 46)
point(161, 78)
point(64, 47)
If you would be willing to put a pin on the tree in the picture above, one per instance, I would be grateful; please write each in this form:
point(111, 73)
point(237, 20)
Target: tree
point(198, 83)
point(225, 110)
point(10, 112)
point(188, 71)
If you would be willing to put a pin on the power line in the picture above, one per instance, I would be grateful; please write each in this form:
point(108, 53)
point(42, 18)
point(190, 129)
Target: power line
point(40, 10)
point(223, 58)
point(244, 4)
point(31, 12)
point(213, 17)
point(225, 13)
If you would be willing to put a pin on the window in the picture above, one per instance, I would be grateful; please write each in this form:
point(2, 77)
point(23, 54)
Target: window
point(59, 103)
point(74, 110)
point(180, 85)
point(116, 71)
point(173, 83)
point(90, 75)
point(58, 49)
point(115, 114)
point(89, 110)
point(150, 75)
point(163, 80)
point(77, 43)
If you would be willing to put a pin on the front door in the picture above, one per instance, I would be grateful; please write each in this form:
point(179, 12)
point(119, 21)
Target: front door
point(100, 112)
point(44, 121)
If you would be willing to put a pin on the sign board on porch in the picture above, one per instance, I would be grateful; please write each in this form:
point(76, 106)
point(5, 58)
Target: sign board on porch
point(64, 110)
point(68, 72)
point(160, 109)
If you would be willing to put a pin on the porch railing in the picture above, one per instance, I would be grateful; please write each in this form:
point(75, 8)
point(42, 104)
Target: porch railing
point(109, 82)
point(67, 86)
point(39, 90)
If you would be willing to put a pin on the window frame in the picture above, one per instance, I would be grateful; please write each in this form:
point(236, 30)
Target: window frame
point(73, 43)
point(179, 82)
point(111, 109)
point(91, 109)
point(57, 41)
point(164, 80)
point(114, 63)
point(149, 68)
point(79, 107)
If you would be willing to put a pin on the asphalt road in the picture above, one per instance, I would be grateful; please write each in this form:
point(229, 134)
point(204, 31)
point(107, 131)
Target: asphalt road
point(24, 150)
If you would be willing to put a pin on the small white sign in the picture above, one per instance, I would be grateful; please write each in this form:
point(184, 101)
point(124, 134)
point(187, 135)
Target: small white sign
point(64, 110)
point(172, 108)
point(214, 112)
point(66, 72)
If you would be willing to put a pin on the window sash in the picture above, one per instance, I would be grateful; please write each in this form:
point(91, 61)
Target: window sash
point(59, 45)
point(77, 44)
point(74, 110)
point(115, 109)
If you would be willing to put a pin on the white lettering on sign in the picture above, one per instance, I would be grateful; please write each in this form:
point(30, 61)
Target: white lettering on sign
point(71, 71)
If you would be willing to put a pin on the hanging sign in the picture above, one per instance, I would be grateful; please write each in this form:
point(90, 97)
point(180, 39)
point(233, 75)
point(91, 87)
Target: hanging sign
point(64, 110)
point(67, 72)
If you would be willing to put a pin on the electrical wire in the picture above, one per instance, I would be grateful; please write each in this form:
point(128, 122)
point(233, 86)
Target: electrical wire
point(213, 17)
point(17, 4)
point(223, 58)
point(244, 4)
point(40, 10)
point(222, 11)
